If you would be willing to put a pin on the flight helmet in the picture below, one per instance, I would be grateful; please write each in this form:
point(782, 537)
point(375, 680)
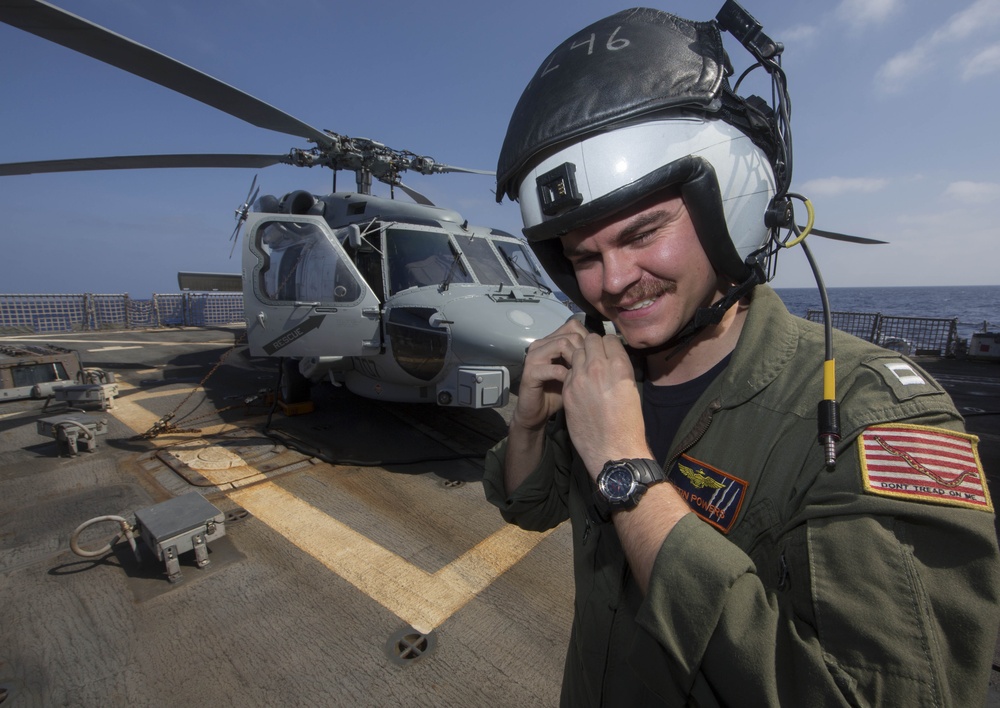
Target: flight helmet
point(632, 105)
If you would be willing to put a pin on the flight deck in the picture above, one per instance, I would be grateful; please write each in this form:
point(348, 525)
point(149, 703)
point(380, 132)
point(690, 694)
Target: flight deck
point(360, 563)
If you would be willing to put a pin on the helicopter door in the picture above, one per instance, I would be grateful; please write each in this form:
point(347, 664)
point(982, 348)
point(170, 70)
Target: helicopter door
point(302, 294)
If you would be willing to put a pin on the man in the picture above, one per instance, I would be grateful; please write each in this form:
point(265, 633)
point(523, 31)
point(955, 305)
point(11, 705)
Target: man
point(756, 568)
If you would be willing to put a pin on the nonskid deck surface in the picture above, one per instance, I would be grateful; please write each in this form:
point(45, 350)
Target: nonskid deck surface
point(368, 570)
point(361, 564)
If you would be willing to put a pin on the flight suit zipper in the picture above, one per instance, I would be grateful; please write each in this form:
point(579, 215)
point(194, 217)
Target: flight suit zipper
point(614, 605)
point(694, 435)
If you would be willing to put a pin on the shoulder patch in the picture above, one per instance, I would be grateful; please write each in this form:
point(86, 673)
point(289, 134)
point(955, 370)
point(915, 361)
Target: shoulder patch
point(712, 494)
point(903, 378)
point(921, 463)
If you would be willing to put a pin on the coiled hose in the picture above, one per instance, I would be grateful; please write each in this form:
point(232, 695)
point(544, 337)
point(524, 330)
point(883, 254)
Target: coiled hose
point(127, 530)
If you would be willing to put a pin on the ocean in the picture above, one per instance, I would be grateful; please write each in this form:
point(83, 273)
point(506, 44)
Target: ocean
point(973, 305)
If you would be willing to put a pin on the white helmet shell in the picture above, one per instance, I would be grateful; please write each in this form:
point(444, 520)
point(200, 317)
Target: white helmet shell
point(609, 161)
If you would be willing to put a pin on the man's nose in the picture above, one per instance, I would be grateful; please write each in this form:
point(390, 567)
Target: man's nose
point(620, 272)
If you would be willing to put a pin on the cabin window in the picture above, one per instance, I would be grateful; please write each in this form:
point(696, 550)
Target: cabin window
point(422, 258)
point(302, 264)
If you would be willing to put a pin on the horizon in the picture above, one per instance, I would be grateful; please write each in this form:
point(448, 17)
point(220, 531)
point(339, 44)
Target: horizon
point(238, 292)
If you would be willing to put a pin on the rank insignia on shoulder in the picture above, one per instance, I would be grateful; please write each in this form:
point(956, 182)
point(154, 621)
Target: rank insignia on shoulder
point(903, 378)
point(921, 463)
point(905, 373)
point(712, 494)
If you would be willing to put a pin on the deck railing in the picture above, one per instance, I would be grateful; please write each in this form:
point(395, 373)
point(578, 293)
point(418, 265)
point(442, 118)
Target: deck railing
point(91, 312)
point(906, 335)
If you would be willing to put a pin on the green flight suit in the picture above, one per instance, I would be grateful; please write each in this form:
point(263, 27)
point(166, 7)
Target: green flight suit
point(805, 590)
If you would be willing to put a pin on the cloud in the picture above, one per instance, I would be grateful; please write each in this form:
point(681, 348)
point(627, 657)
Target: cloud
point(985, 62)
point(904, 65)
point(835, 186)
point(973, 192)
point(861, 13)
point(980, 15)
point(798, 33)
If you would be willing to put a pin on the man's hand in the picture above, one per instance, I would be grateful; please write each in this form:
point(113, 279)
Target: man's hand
point(603, 408)
point(539, 396)
point(546, 367)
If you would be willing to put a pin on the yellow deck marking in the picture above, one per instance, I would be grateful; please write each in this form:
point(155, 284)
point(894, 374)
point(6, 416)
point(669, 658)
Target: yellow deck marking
point(131, 413)
point(128, 411)
point(421, 599)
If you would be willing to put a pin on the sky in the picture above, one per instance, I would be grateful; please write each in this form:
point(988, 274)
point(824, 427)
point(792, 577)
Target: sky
point(894, 114)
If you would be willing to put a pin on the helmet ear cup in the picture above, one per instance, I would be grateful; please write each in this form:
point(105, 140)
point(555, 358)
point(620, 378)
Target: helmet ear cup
point(703, 200)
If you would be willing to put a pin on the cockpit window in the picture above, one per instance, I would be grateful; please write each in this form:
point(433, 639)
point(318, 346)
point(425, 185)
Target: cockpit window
point(524, 268)
point(421, 258)
point(302, 264)
point(484, 261)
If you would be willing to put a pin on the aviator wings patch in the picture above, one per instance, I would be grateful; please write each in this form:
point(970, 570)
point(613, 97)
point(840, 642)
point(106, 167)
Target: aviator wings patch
point(712, 494)
point(921, 463)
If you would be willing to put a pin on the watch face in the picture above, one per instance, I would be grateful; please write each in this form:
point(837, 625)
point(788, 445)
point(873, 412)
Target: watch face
point(617, 483)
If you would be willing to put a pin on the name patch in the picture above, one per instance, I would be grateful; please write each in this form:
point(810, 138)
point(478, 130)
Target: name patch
point(923, 464)
point(712, 494)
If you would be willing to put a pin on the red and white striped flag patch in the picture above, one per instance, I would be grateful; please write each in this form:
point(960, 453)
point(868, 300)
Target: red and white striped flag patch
point(925, 464)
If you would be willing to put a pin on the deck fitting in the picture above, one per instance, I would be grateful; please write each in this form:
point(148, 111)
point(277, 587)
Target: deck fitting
point(409, 645)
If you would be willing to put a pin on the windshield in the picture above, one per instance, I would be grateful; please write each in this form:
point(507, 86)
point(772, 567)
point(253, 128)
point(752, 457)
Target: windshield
point(517, 257)
point(485, 263)
point(420, 258)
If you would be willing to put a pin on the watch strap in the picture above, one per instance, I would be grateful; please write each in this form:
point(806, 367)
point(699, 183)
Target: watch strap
point(650, 471)
point(647, 472)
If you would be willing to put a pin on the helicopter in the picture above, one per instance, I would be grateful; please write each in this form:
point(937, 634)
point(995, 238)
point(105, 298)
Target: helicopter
point(396, 300)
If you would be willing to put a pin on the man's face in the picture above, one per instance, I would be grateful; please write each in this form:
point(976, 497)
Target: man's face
point(644, 269)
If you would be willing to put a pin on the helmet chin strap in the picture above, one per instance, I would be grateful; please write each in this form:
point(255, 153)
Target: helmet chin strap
point(703, 317)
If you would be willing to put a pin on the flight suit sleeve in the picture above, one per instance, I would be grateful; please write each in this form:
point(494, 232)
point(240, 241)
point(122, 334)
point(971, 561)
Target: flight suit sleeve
point(861, 600)
point(541, 502)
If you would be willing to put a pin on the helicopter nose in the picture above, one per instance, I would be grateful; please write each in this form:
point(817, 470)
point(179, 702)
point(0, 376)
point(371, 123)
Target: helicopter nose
point(497, 333)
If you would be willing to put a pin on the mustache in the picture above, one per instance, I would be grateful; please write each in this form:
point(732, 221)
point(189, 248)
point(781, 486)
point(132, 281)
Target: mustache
point(643, 290)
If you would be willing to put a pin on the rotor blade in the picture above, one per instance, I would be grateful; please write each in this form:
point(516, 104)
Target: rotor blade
point(467, 170)
point(843, 237)
point(428, 166)
point(74, 32)
point(139, 162)
point(415, 195)
point(251, 195)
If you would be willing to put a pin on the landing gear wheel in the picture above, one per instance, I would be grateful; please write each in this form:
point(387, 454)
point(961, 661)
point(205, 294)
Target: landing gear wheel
point(294, 388)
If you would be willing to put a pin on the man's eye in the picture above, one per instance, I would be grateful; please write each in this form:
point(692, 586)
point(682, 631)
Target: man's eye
point(643, 236)
point(583, 261)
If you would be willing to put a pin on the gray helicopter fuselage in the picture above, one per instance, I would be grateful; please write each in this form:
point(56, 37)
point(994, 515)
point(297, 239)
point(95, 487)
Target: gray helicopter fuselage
point(395, 300)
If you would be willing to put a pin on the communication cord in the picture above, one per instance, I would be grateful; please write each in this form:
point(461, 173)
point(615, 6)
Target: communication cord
point(828, 410)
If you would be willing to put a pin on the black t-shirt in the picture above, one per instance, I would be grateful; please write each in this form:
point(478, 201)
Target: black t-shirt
point(664, 408)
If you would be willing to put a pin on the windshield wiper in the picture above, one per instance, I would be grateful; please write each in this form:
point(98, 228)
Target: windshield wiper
point(518, 268)
point(456, 260)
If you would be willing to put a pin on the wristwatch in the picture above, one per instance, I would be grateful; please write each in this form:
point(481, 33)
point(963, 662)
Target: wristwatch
point(622, 482)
